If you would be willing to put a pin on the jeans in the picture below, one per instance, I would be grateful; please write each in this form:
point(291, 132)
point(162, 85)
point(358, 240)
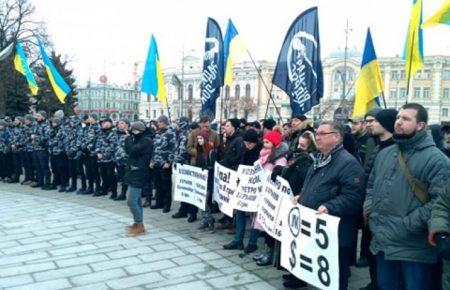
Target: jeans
point(135, 203)
point(399, 275)
point(253, 236)
point(240, 226)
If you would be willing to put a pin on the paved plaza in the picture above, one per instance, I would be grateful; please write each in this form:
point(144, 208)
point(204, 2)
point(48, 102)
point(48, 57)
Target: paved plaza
point(51, 240)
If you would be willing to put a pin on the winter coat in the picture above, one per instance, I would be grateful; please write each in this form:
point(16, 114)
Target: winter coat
point(181, 154)
point(250, 156)
point(339, 187)
point(88, 140)
point(71, 148)
point(278, 158)
point(139, 150)
point(121, 155)
point(371, 160)
point(28, 130)
point(295, 173)
point(58, 140)
point(164, 146)
point(234, 148)
point(107, 145)
point(4, 141)
point(42, 131)
point(18, 138)
point(398, 220)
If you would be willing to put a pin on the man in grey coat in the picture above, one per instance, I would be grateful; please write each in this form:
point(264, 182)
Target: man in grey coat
point(397, 217)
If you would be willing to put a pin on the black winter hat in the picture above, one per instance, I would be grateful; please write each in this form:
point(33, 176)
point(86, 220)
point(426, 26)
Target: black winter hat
point(235, 123)
point(251, 136)
point(373, 112)
point(269, 124)
point(300, 117)
point(387, 119)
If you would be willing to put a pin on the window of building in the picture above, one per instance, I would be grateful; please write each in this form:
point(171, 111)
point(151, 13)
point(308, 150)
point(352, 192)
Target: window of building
point(147, 114)
point(426, 74)
point(426, 93)
point(416, 93)
point(402, 74)
point(237, 91)
point(154, 114)
point(444, 112)
point(227, 92)
point(190, 92)
point(402, 94)
point(447, 74)
point(394, 75)
point(446, 93)
point(248, 90)
point(393, 94)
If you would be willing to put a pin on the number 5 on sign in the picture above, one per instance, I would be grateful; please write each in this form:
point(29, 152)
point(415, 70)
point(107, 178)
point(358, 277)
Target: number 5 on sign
point(310, 247)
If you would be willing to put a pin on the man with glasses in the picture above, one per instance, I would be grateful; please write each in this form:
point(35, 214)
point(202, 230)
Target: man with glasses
point(334, 185)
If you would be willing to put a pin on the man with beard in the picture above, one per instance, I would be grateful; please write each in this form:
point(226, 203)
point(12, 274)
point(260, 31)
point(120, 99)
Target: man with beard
point(402, 187)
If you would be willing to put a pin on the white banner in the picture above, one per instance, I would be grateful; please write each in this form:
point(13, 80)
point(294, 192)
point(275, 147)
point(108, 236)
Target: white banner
point(225, 183)
point(250, 187)
point(275, 197)
point(191, 185)
point(310, 246)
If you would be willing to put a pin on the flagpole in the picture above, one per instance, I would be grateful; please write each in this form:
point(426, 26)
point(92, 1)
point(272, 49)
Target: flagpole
point(265, 86)
point(384, 100)
point(409, 70)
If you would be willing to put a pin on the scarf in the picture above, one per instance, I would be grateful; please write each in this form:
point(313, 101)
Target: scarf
point(264, 155)
point(322, 160)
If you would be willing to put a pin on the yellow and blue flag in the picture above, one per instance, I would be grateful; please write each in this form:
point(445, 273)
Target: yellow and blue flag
point(369, 84)
point(21, 65)
point(60, 87)
point(233, 49)
point(442, 16)
point(413, 53)
point(153, 78)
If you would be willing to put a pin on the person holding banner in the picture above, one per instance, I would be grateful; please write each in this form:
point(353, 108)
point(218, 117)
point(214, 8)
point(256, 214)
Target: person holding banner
point(231, 157)
point(273, 154)
point(205, 157)
point(139, 149)
point(334, 185)
point(253, 147)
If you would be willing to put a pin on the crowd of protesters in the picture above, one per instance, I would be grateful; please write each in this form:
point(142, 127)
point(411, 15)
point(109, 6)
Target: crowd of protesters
point(386, 174)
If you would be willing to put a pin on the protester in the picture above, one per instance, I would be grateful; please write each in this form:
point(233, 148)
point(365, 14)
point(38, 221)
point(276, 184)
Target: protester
point(334, 185)
point(205, 156)
point(164, 147)
point(106, 147)
point(121, 156)
point(139, 149)
point(253, 147)
point(398, 210)
point(446, 147)
point(39, 138)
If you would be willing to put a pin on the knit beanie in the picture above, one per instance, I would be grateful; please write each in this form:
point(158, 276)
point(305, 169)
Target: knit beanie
point(163, 119)
point(251, 136)
point(42, 113)
point(299, 117)
point(387, 119)
point(139, 126)
point(273, 137)
point(29, 117)
point(373, 112)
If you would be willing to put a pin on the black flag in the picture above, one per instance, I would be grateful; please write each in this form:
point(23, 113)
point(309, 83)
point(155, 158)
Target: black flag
point(213, 68)
point(299, 67)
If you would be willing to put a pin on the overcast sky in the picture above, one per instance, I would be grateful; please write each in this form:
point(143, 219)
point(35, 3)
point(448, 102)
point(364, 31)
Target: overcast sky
point(109, 36)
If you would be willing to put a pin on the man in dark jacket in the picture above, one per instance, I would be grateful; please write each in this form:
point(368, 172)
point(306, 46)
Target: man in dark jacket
point(106, 147)
point(381, 127)
point(40, 138)
point(334, 185)
point(397, 213)
point(139, 150)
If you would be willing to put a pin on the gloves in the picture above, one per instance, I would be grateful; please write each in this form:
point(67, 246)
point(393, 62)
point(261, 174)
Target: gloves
point(442, 243)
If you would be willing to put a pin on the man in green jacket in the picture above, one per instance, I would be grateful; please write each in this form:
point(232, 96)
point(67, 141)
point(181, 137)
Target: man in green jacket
point(439, 228)
point(398, 217)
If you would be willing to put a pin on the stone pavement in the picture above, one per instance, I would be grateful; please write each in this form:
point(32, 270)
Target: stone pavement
point(51, 240)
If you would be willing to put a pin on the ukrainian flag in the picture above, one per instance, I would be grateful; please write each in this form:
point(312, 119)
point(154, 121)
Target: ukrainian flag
point(369, 84)
point(21, 65)
point(60, 87)
point(442, 16)
point(233, 50)
point(413, 53)
point(153, 79)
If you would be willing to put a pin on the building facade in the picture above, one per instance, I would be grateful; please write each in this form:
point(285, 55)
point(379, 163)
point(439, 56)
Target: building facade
point(248, 95)
point(105, 100)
